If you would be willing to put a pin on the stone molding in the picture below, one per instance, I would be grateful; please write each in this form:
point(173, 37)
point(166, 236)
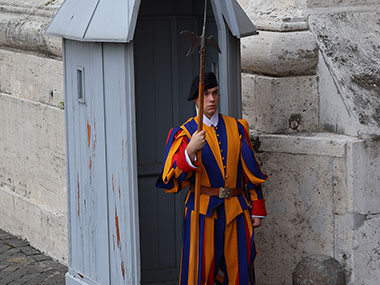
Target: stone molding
point(280, 54)
point(284, 46)
point(281, 23)
point(291, 15)
point(22, 27)
point(280, 16)
point(340, 4)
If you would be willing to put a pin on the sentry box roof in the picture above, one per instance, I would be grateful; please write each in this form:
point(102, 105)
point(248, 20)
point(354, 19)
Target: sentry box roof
point(115, 21)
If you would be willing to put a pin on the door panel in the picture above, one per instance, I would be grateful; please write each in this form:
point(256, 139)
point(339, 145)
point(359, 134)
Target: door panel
point(87, 187)
point(163, 76)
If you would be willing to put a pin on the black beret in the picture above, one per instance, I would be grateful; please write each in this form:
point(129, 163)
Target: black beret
point(210, 82)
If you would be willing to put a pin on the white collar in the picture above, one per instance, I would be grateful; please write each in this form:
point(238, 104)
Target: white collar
point(213, 121)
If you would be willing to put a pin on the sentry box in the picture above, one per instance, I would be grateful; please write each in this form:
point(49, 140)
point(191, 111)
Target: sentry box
point(126, 82)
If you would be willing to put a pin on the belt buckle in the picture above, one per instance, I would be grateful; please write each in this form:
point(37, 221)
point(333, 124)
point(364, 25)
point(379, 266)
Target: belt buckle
point(224, 192)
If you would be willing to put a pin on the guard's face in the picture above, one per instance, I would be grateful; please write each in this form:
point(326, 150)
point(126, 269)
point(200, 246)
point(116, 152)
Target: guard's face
point(210, 102)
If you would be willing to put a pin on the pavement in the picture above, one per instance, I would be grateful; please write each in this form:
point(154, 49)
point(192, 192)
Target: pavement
point(22, 264)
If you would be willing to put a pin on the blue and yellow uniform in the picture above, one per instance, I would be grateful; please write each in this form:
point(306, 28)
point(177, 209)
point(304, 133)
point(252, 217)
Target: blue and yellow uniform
point(225, 226)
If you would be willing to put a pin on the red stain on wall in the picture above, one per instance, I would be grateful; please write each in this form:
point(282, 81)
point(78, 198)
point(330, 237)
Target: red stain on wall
point(117, 228)
point(90, 168)
point(119, 192)
point(94, 145)
point(123, 269)
point(88, 134)
point(78, 195)
point(113, 184)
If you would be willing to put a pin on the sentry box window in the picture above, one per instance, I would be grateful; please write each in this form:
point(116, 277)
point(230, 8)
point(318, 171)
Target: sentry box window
point(80, 84)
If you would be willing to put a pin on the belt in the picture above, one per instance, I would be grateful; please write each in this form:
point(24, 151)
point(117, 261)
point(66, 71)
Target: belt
point(221, 192)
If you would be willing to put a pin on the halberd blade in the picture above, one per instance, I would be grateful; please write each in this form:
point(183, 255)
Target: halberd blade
point(195, 42)
point(210, 41)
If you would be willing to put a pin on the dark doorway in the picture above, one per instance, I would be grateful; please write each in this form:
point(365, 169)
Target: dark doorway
point(162, 78)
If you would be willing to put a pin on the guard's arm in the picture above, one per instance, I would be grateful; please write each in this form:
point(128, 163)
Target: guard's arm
point(176, 170)
point(251, 169)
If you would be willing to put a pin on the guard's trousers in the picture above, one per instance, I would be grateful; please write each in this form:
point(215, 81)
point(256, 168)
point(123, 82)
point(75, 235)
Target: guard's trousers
point(226, 251)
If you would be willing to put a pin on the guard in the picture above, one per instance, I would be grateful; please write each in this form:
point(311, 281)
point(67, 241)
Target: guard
point(231, 198)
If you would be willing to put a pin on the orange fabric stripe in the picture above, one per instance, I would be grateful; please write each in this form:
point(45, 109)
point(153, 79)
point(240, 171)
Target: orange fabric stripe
point(253, 194)
point(193, 260)
point(168, 171)
point(204, 177)
point(174, 189)
point(203, 204)
point(231, 251)
point(233, 144)
point(208, 247)
point(232, 208)
point(249, 222)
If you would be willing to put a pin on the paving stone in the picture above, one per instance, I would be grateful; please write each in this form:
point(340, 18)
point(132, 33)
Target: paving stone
point(2, 266)
point(4, 235)
point(11, 268)
point(30, 250)
point(11, 251)
point(4, 247)
point(55, 265)
point(26, 279)
point(41, 257)
point(12, 276)
point(35, 267)
point(40, 278)
point(55, 279)
point(16, 242)
point(22, 264)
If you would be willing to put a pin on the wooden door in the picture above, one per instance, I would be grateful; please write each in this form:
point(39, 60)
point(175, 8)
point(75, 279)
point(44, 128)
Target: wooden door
point(163, 76)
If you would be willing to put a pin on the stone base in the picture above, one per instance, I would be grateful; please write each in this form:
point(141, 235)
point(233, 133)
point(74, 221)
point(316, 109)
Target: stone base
point(43, 227)
point(314, 200)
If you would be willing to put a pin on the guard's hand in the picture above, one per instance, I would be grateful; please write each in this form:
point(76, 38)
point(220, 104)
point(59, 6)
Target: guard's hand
point(197, 142)
point(256, 222)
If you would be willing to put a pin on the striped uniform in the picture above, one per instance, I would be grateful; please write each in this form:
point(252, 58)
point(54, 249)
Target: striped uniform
point(226, 244)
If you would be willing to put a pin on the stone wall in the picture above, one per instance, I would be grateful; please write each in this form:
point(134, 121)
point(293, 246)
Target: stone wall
point(32, 148)
point(309, 94)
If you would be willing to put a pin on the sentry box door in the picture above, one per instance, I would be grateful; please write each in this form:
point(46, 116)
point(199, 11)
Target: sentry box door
point(163, 75)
